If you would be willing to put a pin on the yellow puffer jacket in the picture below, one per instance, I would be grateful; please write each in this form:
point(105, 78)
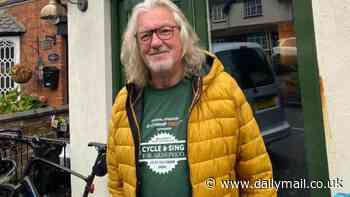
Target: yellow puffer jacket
point(223, 139)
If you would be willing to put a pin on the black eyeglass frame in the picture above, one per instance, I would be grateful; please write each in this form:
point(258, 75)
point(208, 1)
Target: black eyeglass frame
point(149, 33)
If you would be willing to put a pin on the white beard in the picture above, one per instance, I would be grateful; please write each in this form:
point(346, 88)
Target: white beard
point(161, 67)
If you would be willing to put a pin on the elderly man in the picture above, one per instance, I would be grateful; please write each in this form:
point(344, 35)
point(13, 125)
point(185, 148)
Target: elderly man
point(181, 125)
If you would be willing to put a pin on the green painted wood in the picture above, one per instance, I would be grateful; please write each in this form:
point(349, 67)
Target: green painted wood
point(315, 145)
point(201, 21)
point(117, 78)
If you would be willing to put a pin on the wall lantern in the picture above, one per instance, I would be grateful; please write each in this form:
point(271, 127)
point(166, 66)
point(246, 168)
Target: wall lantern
point(55, 9)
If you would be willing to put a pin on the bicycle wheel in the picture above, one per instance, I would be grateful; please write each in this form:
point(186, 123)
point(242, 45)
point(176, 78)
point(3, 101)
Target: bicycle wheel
point(26, 189)
point(6, 190)
point(7, 170)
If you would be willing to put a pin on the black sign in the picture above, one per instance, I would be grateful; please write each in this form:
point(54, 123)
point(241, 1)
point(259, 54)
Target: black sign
point(53, 57)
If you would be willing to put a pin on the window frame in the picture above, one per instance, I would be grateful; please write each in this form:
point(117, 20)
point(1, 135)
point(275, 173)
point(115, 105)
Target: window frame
point(16, 41)
point(250, 5)
point(217, 14)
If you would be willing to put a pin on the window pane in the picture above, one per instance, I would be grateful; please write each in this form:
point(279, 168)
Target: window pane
point(12, 54)
point(7, 53)
point(258, 49)
point(217, 14)
point(2, 83)
point(252, 8)
point(248, 65)
point(6, 61)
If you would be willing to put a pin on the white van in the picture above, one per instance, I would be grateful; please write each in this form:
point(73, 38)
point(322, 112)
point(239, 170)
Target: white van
point(248, 64)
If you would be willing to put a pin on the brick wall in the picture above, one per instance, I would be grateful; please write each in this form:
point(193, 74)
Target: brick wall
point(286, 30)
point(28, 14)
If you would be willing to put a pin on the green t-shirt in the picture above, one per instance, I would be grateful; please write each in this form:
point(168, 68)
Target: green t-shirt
point(163, 151)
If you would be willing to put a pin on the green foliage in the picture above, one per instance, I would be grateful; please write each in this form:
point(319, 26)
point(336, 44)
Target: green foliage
point(15, 101)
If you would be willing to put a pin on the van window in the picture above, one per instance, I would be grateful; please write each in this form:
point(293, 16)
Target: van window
point(248, 66)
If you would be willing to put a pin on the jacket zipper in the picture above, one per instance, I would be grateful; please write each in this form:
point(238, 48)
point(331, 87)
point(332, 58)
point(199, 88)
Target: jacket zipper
point(194, 101)
point(137, 143)
point(137, 123)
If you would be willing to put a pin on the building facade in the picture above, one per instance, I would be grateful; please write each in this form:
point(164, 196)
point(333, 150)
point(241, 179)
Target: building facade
point(261, 21)
point(36, 44)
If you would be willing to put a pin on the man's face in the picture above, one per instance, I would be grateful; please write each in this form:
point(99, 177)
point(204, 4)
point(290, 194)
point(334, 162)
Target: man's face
point(159, 40)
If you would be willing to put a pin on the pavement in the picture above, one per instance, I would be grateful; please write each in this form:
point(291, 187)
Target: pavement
point(288, 155)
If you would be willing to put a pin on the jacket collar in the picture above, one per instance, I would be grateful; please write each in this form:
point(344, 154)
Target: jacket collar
point(209, 71)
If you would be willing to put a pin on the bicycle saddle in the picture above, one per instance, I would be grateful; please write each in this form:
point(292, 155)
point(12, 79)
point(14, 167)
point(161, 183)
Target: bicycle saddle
point(7, 170)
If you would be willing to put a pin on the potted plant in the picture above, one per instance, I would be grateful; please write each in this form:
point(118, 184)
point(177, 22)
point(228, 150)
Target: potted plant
point(60, 125)
point(21, 73)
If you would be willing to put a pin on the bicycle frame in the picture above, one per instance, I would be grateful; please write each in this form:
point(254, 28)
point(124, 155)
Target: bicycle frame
point(26, 184)
point(30, 188)
point(24, 187)
point(88, 180)
point(27, 187)
point(101, 157)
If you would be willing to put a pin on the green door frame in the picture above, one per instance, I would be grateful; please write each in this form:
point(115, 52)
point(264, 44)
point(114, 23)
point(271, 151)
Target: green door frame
point(117, 73)
point(315, 146)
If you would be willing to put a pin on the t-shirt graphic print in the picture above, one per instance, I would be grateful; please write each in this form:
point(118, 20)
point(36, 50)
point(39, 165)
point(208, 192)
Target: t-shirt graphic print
point(163, 148)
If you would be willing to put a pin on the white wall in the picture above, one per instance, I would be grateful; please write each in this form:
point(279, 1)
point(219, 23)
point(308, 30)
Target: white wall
point(332, 29)
point(90, 86)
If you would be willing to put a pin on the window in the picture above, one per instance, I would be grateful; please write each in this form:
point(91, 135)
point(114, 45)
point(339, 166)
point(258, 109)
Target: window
point(259, 38)
point(217, 14)
point(248, 65)
point(9, 55)
point(265, 39)
point(252, 8)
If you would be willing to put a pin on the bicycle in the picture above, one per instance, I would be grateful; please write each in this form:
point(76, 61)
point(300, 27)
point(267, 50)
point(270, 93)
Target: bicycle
point(26, 186)
point(8, 167)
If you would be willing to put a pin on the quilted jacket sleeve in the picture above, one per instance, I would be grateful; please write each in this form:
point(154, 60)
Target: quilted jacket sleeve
point(115, 185)
point(253, 162)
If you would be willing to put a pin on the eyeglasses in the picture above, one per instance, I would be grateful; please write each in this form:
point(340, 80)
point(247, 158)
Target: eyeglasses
point(163, 33)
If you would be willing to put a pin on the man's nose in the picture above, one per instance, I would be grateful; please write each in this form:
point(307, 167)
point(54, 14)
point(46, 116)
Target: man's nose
point(155, 41)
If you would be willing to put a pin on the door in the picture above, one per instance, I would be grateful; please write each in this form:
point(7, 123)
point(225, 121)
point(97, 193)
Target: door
point(195, 11)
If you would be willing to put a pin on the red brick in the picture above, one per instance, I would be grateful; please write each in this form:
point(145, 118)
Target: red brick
point(286, 30)
point(28, 14)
